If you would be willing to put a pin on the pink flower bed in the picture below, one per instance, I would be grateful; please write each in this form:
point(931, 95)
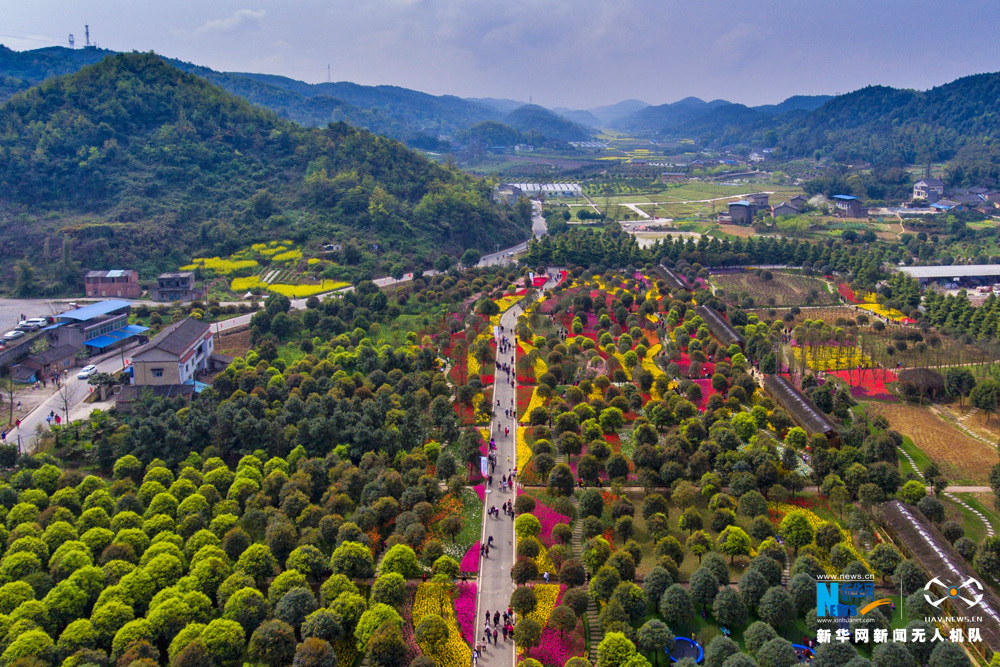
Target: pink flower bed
point(465, 609)
point(470, 561)
point(480, 490)
point(871, 386)
point(548, 517)
point(555, 650)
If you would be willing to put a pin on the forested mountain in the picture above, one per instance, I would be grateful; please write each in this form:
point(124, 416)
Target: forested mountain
point(532, 117)
point(957, 121)
point(400, 113)
point(141, 165)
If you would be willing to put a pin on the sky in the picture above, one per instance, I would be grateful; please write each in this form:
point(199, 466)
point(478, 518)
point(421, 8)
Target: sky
point(559, 53)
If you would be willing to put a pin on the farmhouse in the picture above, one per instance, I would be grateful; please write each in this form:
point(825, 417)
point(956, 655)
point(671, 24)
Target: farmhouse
point(174, 356)
point(930, 189)
point(759, 199)
point(849, 206)
point(948, 205)
point(176, 287)
point(121, 283)
point(799, 201)
point(799, 406)
point(719, 327)
point(741, 212)
point(783, 209)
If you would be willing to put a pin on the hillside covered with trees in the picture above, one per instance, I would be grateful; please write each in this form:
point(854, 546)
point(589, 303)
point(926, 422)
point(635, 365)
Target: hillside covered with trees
point(135, 163)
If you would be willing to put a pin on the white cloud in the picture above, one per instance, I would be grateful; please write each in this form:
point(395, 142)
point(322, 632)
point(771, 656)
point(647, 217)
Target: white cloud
point(239, 20)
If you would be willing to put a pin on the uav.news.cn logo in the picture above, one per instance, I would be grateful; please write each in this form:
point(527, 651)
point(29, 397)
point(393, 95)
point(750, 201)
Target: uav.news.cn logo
point(966, 592)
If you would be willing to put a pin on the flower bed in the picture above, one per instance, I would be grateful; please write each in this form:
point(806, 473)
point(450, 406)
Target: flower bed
point(523, 449)
point(470, 561)
point(870, 386)
point(434, 598)
point(548, 518)
point(465, 607)
point(555, 648)
point(847, 293)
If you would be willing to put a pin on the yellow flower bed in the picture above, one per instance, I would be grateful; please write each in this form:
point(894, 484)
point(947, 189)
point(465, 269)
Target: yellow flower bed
point(506, 302)
point(541, 368)
point(219, 266)
point(244, 284)
point(430, 599)
point(535, 402)
point(814, 522)
point(485, 432)
point(312, 261)
point(267, 252)
point(473, 365)
point(621, 360)
point(545, 564)
point(523, 450)
point(891, 313)
point(546, 594)
point(481, 417)
point(302, 291)
point(293, 255)
point(831, 358)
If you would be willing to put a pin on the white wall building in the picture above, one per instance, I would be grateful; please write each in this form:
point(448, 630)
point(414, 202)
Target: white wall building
point(548, 189)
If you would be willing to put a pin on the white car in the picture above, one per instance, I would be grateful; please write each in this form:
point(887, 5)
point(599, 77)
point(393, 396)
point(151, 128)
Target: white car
point(87, 371)
point(13, 335)
point(37, 322)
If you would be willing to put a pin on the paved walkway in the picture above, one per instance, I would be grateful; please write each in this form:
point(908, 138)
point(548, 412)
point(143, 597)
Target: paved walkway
point(495, 585)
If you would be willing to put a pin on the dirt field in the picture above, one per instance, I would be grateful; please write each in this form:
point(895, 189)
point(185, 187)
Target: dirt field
point(961, 458)
point(784, 289)
point(233, 343)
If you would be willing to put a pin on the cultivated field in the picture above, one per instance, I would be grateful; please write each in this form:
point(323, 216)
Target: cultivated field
point(784, 289)
point(962, 459)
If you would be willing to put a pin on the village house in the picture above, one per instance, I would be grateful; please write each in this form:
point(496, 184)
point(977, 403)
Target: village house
point(930, 189)
point(176, 287)
point(849, 206)
point(784, 209)
point(120, 283)
point(175, 355)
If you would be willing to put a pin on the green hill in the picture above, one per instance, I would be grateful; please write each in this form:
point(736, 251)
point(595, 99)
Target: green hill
point(533, 118)
point(408, 115)
point(142, 165)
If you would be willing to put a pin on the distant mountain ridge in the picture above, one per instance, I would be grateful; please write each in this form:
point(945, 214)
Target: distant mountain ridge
point(140, 164)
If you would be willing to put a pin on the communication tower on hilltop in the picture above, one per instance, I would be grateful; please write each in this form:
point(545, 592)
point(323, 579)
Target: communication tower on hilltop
point(86, 30)
point(72, 41)
point(329, 75)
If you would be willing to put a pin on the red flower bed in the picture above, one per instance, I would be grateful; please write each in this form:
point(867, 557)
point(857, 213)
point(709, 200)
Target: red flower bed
point(548, 517)
point(465, 605)
point(556, 648)
point(470, 562)
point(523, 398)
point(847, 293)
point(872, 384)
point(684, 363)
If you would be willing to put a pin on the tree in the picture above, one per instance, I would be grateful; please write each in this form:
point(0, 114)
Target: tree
point(390, 589)
point(777, 652)
point(432, 632)
point(987, 559)
point(563, 619)
point(776, 607)
point(523, 601)
point(273, 643)
point(690, 520)
point(352, 559)
point(470, 257)
point(561, 481)
point(734, 542)
point(796, 530)
point(959, 382)
point(948, 654)
point(528, 633)
point(654, 637)
point(703, 586)
point(675, 605)
point(387, 648)
point(912, 492)
point(884, 559)
point(399, 558)
point(452, 526)
point(892, 655)
point(247, 607)
point(909, 577)
point(374, 617)
point(719, 649)
point(729, 609)
point(615, 650)
point(758, 634)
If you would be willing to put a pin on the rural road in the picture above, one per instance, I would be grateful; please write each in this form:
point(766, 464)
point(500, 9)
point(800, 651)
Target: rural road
point(495, 584)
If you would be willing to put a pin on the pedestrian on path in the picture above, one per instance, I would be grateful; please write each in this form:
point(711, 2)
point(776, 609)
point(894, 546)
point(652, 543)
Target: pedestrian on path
point(495, 633)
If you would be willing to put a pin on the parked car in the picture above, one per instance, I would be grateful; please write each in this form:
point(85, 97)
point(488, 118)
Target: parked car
point(13, 335)
point(37, 322)
point(87, 371)
point(24, 325)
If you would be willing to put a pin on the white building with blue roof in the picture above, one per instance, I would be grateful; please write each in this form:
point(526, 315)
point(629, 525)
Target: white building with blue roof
point(95, 328)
